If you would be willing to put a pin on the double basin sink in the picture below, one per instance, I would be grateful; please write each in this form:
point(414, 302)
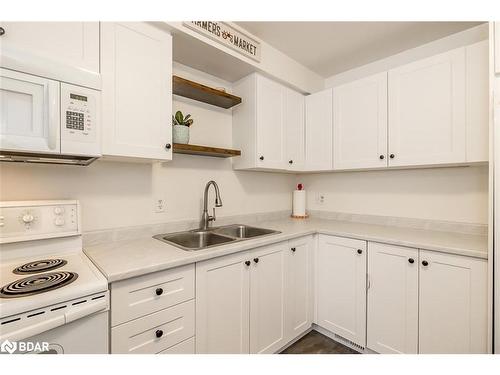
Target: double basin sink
point(203, 239)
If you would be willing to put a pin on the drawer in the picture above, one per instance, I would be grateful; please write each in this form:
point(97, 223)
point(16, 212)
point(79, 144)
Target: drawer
point(143, 295)
point(175, 324)
point(185, 347)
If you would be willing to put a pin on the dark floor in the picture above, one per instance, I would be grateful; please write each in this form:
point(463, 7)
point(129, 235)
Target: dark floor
point(316, 343)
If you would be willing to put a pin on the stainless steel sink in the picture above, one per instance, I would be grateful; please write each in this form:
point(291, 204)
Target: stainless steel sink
point(203, 239)
point(243, 231)
point(194, 240)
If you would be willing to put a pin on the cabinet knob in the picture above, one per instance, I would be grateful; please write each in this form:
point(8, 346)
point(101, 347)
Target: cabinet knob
point(159, 333)
point(159, 291)
point(247, 263)
point(168, 146)
point(411, 260)
point(261, 158)
point(391, 156)
point(360, 251)
point(293, 249)
point(256, 260)
point(381, 157)
point(290, 161)
point(2, 31)
point(425, 263)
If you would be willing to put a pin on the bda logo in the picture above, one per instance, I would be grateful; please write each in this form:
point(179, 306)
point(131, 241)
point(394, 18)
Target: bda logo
point(9, 347)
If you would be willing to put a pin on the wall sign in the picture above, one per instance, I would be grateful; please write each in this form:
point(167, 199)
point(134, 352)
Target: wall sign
point(227, 36)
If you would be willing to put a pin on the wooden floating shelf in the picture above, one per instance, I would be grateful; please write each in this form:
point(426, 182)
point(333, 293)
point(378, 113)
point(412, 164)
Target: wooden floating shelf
point(196, 91)
point(180, 148)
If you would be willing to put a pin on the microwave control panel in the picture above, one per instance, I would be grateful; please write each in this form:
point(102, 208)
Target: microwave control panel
point(80, 120)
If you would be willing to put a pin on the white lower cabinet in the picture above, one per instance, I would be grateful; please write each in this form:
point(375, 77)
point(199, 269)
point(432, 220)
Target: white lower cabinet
point(254, 301)
point(453, 304)
point(341, 287)
point(392, 314)
point(425, 302)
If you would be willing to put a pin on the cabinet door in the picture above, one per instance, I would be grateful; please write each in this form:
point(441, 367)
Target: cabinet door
point(341, 287)
point(360, 123)
point(319, 131)
point(427, 111)
point(477, 118)
point(392, 318)
point(298, 312)
point(267, 299)
point(64, 51)
point(222, 305)
point(136, 63)
point(294, 119)
point(270, 127)
point(497, 47)
point(453, 304)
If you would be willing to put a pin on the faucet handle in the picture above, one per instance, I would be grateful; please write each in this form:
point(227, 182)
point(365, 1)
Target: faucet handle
point(213, 218)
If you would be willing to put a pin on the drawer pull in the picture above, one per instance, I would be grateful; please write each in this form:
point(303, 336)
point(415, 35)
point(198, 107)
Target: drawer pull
point(256, 260)
point(360, 251)
point(159, 291)
point(411, 260)
point(293, 249)
point(159, 333)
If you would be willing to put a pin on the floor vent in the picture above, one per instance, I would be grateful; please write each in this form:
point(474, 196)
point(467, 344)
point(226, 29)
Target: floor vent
point(349, 343)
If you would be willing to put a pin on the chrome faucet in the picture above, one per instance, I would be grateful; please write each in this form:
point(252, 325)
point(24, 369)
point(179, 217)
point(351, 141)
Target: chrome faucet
point(205, 217)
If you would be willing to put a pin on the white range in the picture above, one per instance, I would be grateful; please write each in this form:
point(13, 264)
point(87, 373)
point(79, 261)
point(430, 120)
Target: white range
point(51, 295)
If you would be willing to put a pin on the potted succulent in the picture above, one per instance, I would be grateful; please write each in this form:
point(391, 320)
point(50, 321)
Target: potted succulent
point(180, 128)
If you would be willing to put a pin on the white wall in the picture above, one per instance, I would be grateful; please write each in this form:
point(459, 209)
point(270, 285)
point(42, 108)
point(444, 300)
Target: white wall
point(450, 194)
point(116, 194)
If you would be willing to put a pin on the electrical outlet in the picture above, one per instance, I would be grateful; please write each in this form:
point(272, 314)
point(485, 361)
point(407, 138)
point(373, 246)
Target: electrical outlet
point(320, 198)
point(159, 205)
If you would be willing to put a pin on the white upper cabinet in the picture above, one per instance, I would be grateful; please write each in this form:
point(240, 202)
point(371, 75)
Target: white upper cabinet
point(497, 47)
point(427, 111)
point(267, 299)
point(136, 63)
point(360, 123)
point(223, 305)
point(299, 281)
point(341, 287)
point(259, 123)
point(453, 304)
point(294, 120)
point(392, 315)
point(319, 123)
point(477, 101)
point(66, 51)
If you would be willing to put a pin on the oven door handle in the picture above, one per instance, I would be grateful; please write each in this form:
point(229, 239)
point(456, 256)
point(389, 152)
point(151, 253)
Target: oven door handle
point(75, 314)
point(34, 329)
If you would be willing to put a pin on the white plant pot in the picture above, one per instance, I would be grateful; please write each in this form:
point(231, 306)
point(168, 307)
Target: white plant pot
point(180, 134)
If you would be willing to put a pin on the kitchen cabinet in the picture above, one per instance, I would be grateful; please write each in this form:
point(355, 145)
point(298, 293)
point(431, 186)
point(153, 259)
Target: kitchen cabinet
point(427, 113)
point(136, 66)
point(477, 101)
point(298, 285)
point(223, 305)
point(294, 120)
point(66, 51)
point(267, 299)
point(452, 304)
point(319, 128)
point(360, 123)
point(341, 287)
point(497, 47)
point(254, 301)
point(258, 124)
point(392, 312)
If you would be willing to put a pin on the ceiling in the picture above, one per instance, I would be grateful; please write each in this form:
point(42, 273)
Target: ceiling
point(328, 48)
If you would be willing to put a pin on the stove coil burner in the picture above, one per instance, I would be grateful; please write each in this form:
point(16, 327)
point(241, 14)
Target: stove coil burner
point(39, 266)
point(36, 284)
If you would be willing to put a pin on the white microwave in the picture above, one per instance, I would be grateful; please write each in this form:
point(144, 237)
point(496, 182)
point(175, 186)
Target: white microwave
point(47, 121)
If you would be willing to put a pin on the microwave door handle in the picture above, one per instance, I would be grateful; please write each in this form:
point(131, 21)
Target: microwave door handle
point(53, 114)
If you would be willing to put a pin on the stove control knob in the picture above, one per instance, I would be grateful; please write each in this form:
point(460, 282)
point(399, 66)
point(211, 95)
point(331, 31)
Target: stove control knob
point(28, 218)
point(59, 210)
point(59, 221)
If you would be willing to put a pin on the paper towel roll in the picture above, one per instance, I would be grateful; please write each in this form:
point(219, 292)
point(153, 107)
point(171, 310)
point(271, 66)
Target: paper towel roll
point(299, 203)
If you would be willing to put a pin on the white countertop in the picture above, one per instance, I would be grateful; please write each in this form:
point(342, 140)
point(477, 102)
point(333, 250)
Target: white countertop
point(129, 258)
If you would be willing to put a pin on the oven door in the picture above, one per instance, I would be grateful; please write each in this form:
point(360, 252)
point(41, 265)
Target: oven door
point(88, 335)
point(29, 113)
